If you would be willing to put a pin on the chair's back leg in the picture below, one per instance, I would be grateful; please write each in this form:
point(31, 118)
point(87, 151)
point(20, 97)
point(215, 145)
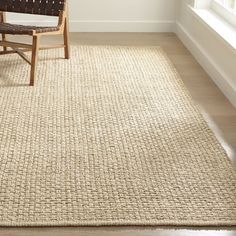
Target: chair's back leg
point(2, 20)
point(34, 60)
point(66, 39)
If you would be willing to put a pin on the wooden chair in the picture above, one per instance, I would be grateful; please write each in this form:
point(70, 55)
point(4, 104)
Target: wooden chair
point(57, 8)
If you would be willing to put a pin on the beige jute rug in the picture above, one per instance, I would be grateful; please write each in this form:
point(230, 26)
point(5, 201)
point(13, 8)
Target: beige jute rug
point(110, 137)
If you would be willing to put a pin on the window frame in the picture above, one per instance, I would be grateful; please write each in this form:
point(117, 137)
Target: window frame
point(225, 31)
point(227, 14)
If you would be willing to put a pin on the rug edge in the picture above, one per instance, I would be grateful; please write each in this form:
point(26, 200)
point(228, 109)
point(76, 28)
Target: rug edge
point(122, 223)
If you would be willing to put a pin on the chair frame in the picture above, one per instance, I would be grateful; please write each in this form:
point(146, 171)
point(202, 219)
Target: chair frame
point(20, 48)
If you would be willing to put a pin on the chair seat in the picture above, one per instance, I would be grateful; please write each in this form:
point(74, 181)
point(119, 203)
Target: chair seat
point(7, 28)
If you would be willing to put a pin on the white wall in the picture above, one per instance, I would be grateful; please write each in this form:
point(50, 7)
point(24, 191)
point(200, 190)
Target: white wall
point(215, 56)
point(116, 15)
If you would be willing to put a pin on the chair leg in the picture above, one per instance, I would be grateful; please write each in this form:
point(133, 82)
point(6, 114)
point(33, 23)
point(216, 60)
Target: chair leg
point(4, 38)
point(66, 40)
point(34, 60)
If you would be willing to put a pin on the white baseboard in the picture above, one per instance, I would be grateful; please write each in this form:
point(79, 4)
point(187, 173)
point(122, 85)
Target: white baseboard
point(209, 65)
point(112, 26)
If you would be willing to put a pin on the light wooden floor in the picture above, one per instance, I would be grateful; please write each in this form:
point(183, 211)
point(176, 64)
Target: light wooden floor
point(219, 113)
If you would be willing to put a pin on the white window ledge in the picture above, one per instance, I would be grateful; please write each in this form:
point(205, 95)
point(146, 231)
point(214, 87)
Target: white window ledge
point(218, 25)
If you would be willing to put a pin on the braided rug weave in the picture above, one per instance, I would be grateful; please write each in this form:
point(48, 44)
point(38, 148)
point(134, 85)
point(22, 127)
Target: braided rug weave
point(110, 137)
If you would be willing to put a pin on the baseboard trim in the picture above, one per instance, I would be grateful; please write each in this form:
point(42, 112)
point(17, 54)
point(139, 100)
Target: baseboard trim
point(112, 26)
point(209, 65)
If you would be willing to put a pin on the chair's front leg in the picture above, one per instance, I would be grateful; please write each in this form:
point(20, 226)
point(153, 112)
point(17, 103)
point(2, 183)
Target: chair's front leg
point(34, 60)
point(66, 39)
point(4, 39)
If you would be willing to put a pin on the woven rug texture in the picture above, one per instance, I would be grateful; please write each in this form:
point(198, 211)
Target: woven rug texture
point(110, 137)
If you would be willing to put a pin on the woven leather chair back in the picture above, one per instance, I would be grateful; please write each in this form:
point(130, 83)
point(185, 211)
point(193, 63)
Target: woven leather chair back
point(38, 7)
